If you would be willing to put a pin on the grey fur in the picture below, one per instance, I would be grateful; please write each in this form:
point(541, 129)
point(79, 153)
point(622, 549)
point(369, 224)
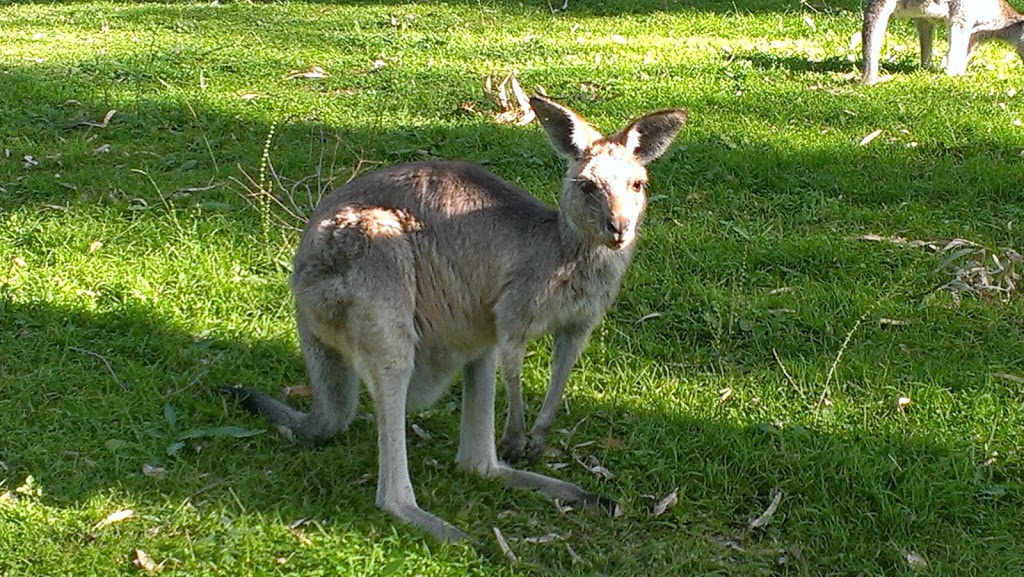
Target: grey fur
point(413, 273)
point(969, 21)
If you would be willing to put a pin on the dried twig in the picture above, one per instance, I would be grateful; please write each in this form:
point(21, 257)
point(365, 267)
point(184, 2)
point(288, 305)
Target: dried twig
point(839, 355)
point(503, 545)
point(763, 519)
point(106, 362)
point(789, 377)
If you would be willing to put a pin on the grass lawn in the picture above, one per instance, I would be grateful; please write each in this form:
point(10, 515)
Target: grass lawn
point(796, 326)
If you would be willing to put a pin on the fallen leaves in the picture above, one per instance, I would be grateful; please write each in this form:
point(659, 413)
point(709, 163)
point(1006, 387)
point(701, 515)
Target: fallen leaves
point(153, 472)
point(142, 560)
point(503, 545)
point(902, 402)
point(992, 274)
point(307, 72)
point(595, 467)
point(666, 503)
point(104, 122)
point(768, 513)
point(115, 517)
point(867, 139)
point(510, 98)
point(914, 560)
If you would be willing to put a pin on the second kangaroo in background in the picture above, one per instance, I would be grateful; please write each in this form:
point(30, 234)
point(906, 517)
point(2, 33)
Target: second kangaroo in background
point(970, 22)
point(411, 274)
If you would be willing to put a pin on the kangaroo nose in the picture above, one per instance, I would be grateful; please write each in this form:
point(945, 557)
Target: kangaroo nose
point(618, 227)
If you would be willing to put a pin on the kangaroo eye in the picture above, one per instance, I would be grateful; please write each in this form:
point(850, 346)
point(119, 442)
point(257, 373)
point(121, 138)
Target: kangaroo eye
point(637, 186)
point(588, 188)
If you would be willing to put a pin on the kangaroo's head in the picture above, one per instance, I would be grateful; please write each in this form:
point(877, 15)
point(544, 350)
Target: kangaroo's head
point(604, 194)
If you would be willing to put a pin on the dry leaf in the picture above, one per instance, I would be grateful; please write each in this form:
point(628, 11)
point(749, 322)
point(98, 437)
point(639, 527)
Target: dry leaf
point(103, 123)
point(892, 322)
point(153, 472)
point(902, 402)
point(420, 432)
point(304, 391)
point(142, 561)
point(666, 503)
point(308, 72)
point(300, 537)
point(762, 520)
point(867, 139)
point(618, 39)
point(503, 545)
point(115, 517)
point(101, 149)
point(915, 560)
point(544, 539)
point(595, 467)
point(562, 508)
point(568, 548)
point(511, 100)
point(648, 317)
point(95, 246)
point(248, 96)
point(724, 395)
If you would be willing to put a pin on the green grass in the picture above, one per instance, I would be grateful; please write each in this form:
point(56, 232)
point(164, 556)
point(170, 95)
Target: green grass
point(134, 280)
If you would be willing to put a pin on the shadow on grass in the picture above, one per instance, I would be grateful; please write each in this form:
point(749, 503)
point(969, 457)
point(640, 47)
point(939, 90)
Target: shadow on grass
point(93, 397)
point(155, 150)
point(835, 64)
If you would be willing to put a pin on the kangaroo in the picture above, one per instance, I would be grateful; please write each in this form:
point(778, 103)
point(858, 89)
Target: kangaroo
point(412, 273)
point(970, 22)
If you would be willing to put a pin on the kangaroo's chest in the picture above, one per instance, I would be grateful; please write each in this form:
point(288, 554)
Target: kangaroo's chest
point(576, 298)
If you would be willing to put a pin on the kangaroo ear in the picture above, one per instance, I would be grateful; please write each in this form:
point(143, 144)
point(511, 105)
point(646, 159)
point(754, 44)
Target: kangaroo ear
point(569, 134)
point(649, 136)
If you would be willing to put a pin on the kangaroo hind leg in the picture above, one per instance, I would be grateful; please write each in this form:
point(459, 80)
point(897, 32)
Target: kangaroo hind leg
point(335, 387)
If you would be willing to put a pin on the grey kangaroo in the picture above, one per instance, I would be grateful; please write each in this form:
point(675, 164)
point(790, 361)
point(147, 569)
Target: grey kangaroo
point(970, 22)
point(412, 273)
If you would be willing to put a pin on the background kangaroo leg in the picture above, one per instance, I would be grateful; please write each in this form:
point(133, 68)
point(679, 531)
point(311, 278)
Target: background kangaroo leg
point(876, 21)
point(926, 37)
point(959, 49)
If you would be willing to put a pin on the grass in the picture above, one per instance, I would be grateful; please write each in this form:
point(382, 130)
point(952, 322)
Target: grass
point(760, 344)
